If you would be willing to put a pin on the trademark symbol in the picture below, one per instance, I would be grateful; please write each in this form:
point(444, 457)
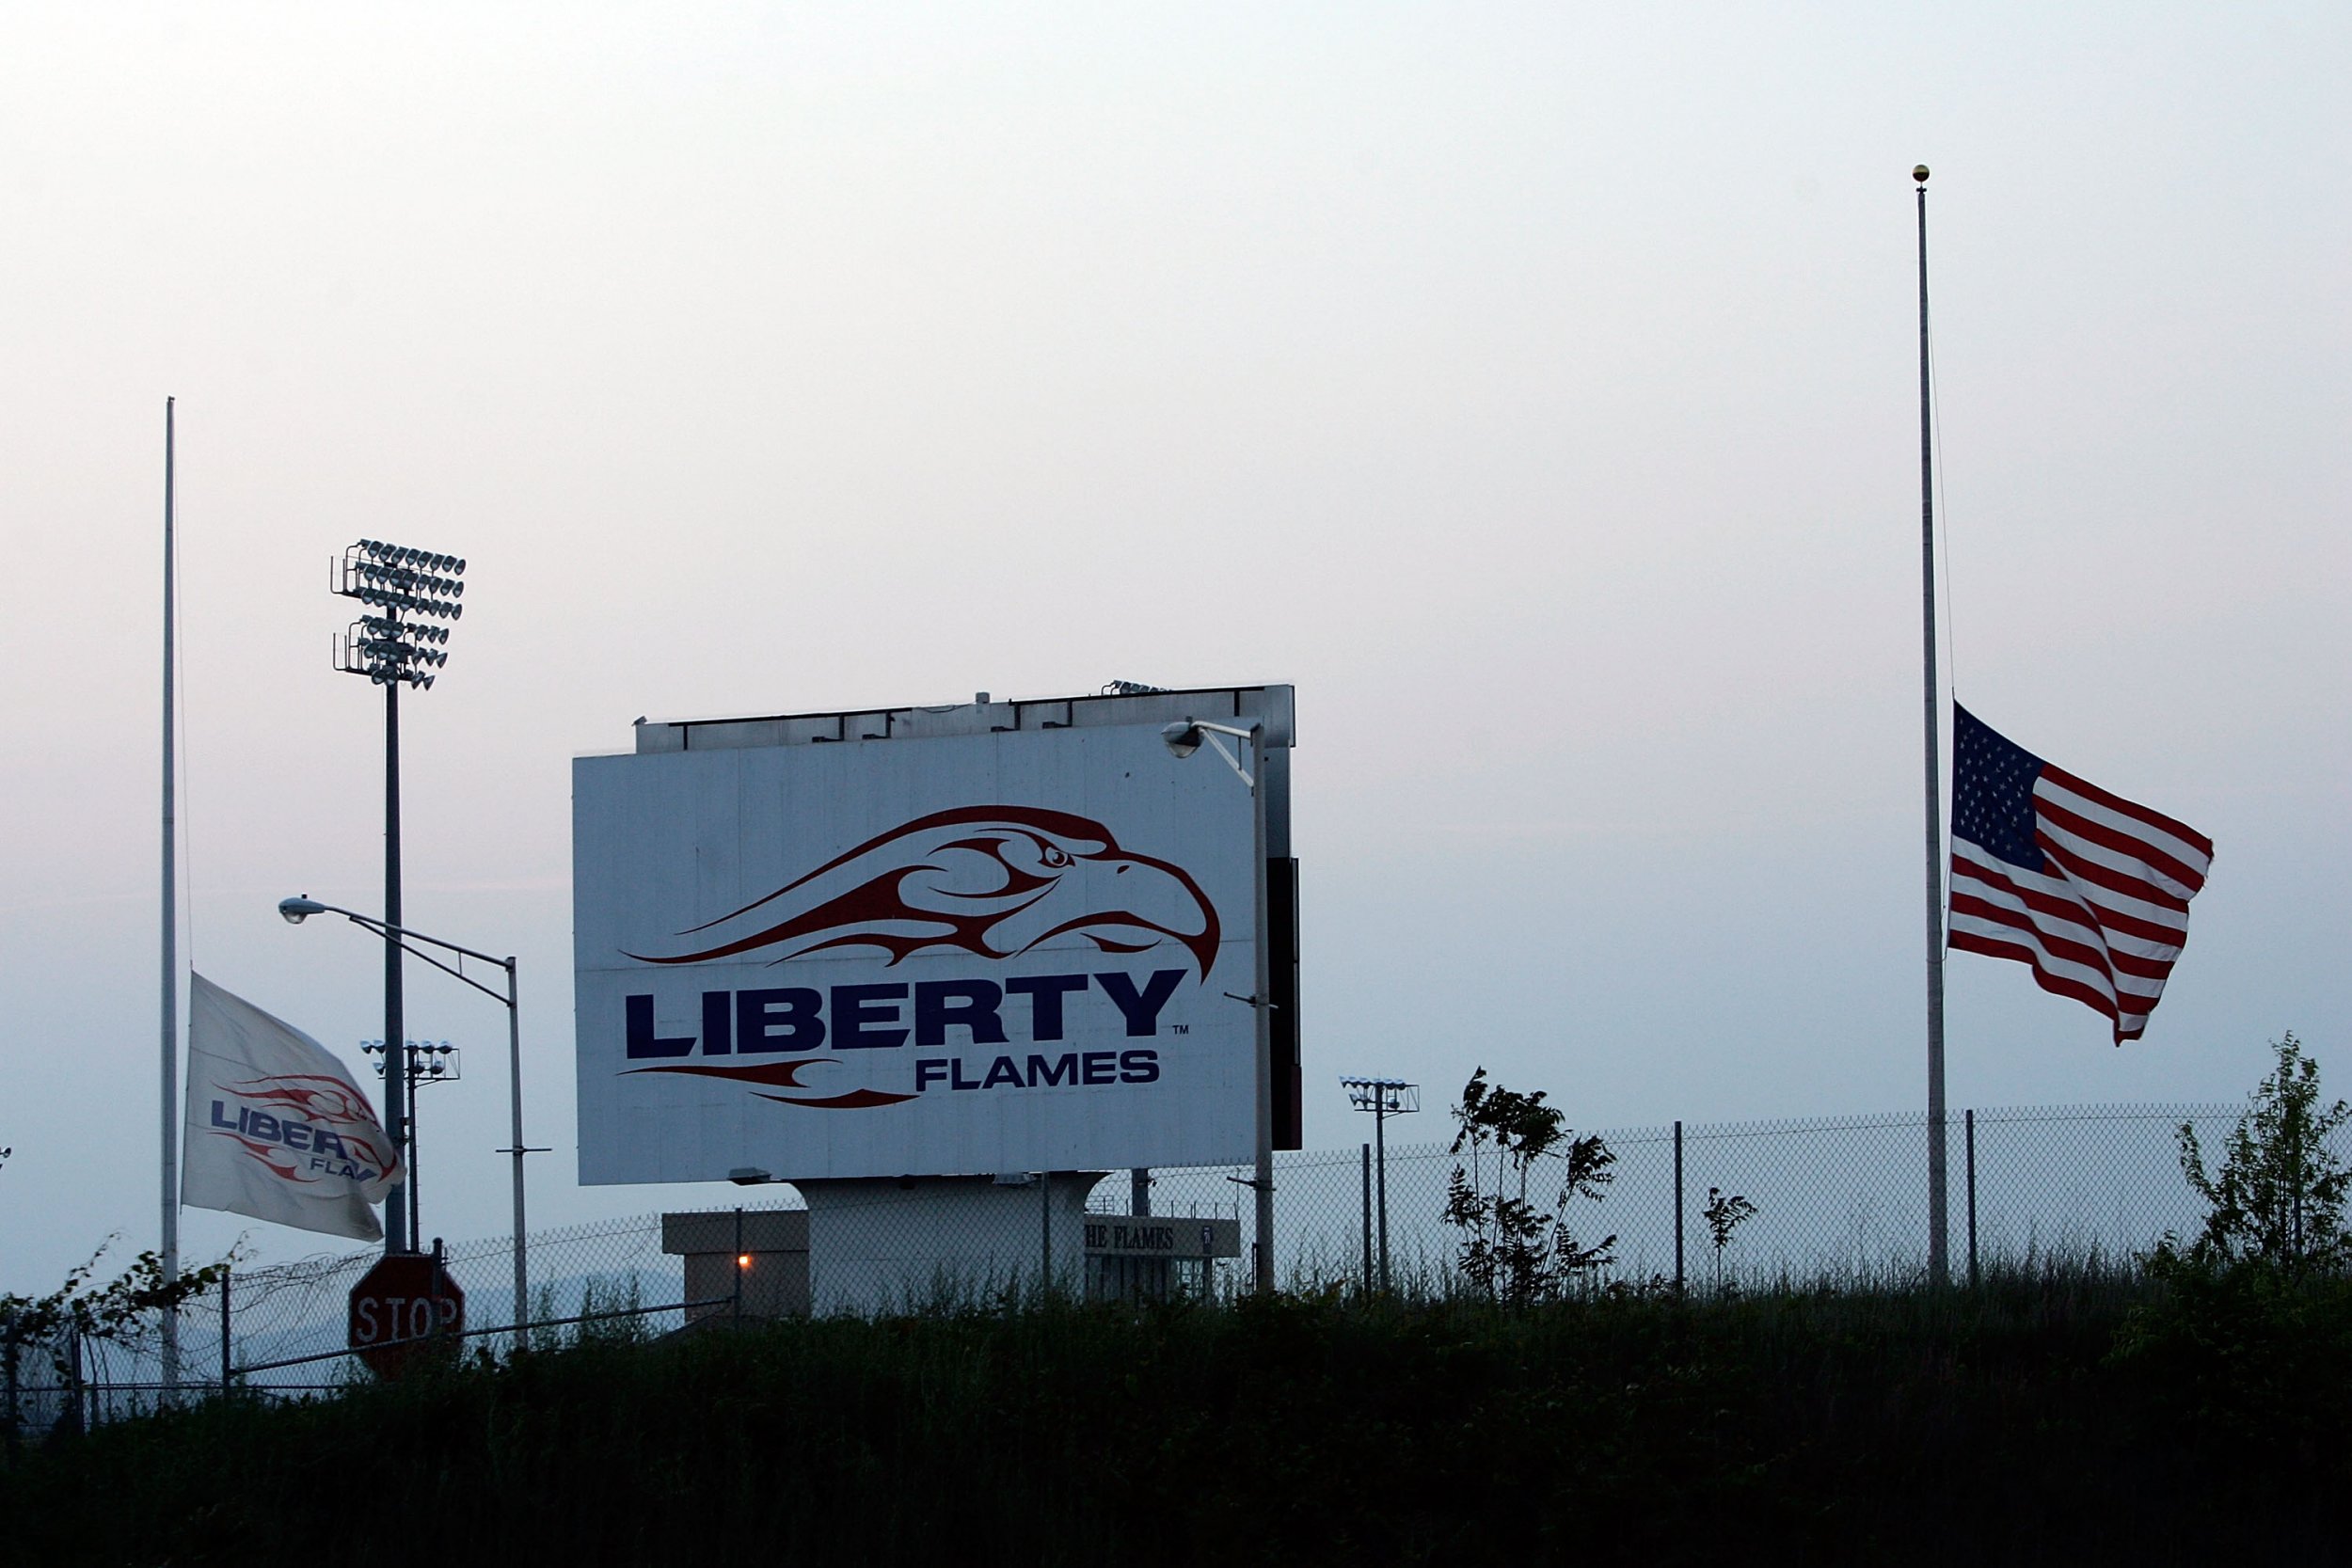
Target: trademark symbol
point(1183, 1028)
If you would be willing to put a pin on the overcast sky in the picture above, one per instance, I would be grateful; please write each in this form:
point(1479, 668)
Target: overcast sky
point(1534, 387)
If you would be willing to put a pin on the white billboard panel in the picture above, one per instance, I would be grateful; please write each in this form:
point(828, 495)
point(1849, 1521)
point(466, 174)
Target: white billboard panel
point(959, 955)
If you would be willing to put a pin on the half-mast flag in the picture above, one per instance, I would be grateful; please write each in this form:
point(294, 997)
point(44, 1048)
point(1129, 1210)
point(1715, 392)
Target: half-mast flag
point(275, 1128)
point(2086, 888)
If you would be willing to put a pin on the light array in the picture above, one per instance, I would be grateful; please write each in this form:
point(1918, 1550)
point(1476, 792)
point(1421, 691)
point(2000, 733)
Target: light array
point(1384, 1096)
point(408, 590)
point(427, 1060)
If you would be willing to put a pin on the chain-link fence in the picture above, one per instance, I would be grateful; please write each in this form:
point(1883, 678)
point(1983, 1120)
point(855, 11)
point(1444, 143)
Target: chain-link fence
point(1836, 1200)
point(1833, 1200)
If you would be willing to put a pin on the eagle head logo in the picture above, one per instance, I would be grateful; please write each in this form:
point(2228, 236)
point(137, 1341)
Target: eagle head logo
point(994, 882)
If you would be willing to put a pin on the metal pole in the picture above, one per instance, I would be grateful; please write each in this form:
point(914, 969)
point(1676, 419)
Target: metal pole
point(1380, 1163)
point(416, 1151)
point(1678, 1207)
point(397, 1204)
point(1971, 1114)
point(170, 997)
point(515, 1112)
point(737, 1309)
point(1264, 1003)
point(226, 1343)
point(1939, 1260)
point(1045, 1209)
point(1139, 1191)
point(1368, 1276)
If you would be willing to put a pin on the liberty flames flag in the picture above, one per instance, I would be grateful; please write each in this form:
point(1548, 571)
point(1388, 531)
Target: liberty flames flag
point(275, 1128)
point(2088, 889)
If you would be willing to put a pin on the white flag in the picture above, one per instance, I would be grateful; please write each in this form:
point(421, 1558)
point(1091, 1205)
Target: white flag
point(275, 1128)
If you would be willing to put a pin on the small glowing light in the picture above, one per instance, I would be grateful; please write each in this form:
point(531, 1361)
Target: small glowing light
point(742, 1259)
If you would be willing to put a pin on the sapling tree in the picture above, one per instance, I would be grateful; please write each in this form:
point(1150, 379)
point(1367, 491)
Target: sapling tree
point(1517, 1248)
point(2280, 1192)
point(1724, 1213)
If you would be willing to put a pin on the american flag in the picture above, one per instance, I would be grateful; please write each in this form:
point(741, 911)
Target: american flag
point(2086, 888)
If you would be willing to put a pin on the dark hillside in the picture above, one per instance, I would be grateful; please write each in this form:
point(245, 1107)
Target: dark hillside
point(2034, 1418)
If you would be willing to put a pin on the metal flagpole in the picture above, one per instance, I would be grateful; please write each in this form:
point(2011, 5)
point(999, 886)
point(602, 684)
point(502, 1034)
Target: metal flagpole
point(1939, 1253)
point(170, 955)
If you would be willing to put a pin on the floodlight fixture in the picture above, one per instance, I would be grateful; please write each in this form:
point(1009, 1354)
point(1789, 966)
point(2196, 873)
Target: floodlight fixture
point(406, 591)
point(1187, 735)
point(296, 910)
point(1387, 1096)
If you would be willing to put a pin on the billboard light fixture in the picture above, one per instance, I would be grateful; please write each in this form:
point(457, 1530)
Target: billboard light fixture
point(1187, 735)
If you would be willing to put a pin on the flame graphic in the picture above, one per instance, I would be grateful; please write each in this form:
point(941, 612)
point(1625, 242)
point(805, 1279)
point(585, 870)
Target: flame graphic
point(993, 882)
point(319, 1100)
point(781, 1075)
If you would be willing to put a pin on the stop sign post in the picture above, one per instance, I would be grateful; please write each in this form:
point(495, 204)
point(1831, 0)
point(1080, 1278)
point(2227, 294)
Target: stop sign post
point(407, 1296)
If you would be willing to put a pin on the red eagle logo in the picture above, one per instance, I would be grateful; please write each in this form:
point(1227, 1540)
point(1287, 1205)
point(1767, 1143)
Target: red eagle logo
point(993, 882)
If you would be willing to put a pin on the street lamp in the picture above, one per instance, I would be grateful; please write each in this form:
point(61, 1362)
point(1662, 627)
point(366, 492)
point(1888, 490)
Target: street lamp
point(1384, 1098)
point(1183, 740)
point(395, 643)
point(296, 910)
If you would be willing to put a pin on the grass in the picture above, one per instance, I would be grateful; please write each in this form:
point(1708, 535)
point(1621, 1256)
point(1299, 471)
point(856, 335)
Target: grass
point(2055, 1410)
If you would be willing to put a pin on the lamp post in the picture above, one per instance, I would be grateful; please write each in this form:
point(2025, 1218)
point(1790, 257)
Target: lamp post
point(395, 643)
point(1182, 739)
point(296, 910)
point(1384, 1098)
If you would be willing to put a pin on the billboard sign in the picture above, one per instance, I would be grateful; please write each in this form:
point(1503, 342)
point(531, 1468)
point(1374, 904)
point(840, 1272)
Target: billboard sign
point(963, 953)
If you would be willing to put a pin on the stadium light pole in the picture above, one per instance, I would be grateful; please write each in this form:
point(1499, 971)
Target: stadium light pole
point(395, 643)
point(1384, 1098)
point(296, 910)
point(1182, 739)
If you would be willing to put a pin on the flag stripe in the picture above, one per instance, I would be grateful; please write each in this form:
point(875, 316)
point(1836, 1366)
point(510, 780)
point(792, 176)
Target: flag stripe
point(2156, 819)
point(2128, 1026)
point(2125, 980)
point(2057, 898)
point(2136, 857)
point(2083, 867)
point(2194, 858)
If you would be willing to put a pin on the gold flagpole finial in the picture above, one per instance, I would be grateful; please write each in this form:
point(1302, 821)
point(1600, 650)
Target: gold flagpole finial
point(1920, 174)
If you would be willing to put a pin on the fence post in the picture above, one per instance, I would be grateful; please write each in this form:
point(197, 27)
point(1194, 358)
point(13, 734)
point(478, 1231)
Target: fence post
point(1677, 1208)
point(81, 1393)
point(1368, 1274)
point(1045, 1230)
point(225, 1323)
point(440, 1289)
point(1970, 1123)
point(736, 1311)
point(14, 1413)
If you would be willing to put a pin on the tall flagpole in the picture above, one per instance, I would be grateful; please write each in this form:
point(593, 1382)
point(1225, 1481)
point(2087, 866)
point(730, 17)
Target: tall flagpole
point(171, 956)
point(1939, 1253)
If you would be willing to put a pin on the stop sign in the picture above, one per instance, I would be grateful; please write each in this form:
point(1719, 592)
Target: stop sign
point(406, 1297)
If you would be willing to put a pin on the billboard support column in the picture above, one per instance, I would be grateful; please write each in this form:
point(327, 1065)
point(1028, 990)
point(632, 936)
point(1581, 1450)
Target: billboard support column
point(1263, 1005)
